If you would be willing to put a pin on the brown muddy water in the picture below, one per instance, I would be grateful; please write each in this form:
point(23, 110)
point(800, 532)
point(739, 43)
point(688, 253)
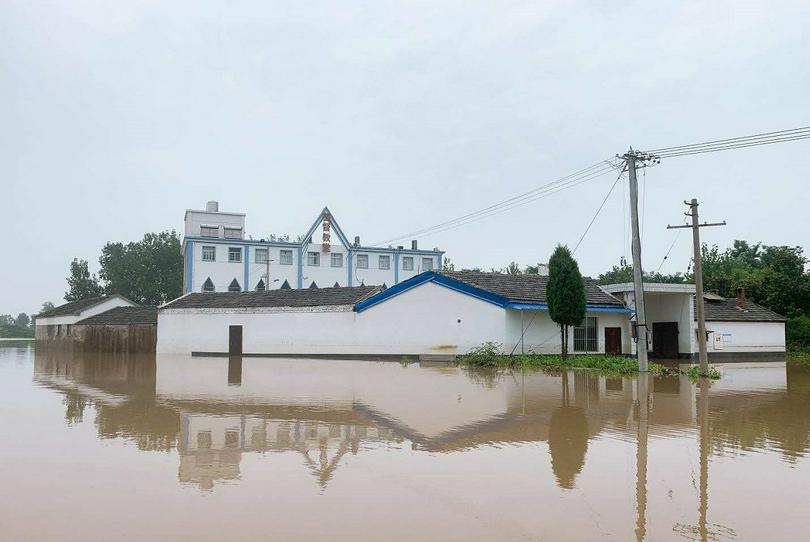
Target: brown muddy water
point(180, 448)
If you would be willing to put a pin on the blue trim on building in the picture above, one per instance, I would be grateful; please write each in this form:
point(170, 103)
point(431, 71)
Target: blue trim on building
point(464, 288)
point(349, 260)
point(396, 268)
point(189, 266)
point(300, 267)
point(246, 258)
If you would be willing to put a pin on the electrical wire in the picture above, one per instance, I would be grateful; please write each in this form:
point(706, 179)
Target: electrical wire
point(771, 138)
point(763, 135)
point(599, 210)
point(677, 235)
point(558, 185)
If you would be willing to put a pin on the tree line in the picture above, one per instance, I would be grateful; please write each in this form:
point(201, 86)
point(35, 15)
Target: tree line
point(148, 272)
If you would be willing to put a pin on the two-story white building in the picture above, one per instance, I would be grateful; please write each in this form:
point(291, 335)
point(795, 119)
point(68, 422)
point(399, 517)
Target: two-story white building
point(219, 257)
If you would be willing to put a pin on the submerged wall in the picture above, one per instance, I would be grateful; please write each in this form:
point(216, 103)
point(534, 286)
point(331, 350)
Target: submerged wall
point(101, 338)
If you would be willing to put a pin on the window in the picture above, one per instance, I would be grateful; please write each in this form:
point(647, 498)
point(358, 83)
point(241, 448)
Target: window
point(260, 286)
point(314, 259)
point(337, 259)
point(208, 286)
point(427, 264)
point(209, 231)
point(234, 254)
point(407, 263)
point(209, 254)
point(385, 262)
point(261, 255)
point(362, 261)
point(204, 440)
point(285, 257)
point(585, 336)
point(233, 233)
point(234, 286)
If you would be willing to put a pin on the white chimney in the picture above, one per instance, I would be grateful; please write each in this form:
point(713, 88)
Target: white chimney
point(212, 206)
point(542, 269)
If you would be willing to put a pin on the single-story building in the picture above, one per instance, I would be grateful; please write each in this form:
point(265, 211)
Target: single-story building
point(737, 329)
point(434, 313)
point(57, 323)
point(122, 329)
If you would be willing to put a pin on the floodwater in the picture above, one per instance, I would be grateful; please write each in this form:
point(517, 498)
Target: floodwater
point(179, 448)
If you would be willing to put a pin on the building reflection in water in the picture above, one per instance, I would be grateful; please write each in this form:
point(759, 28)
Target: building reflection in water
point(214, 410)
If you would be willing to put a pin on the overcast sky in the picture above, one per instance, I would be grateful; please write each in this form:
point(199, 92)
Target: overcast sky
point(115, 117)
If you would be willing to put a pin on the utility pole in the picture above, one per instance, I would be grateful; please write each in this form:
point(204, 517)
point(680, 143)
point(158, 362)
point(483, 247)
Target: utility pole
point(631, 159)
point(701, 316)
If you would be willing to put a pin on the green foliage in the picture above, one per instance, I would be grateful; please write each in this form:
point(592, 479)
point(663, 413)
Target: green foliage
point(624, 273)
point(694, 372)
point(15, 327)
point(448, 265)
point(82, 284)
point(489, 356)
point(513, 269)
point(799, 356)
point(404, 361)
point(565, 293)
point(46, 306)
point(149, 271)
point(798, 332)
point(773, 276)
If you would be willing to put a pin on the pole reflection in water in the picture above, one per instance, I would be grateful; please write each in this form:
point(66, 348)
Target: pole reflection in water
point(409, 451)
point(643, 413)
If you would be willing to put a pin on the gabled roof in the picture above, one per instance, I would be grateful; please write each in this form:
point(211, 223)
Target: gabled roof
point(122, 316)
point(726, 310)
point(75, 308)
point(272, 298)
point(508, 291)
point(332, 224)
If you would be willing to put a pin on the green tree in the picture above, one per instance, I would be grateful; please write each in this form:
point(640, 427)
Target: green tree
point(48, 305)
point(448, 265)
point(624, 273)
point(513, 269)
point(565, 293)
point(149, 271)
point(22, 320)
point(82, 284)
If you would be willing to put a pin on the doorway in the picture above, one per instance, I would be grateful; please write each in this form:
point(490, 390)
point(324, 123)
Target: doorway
point(613, 341)
point(235, 340)
point(665, 340)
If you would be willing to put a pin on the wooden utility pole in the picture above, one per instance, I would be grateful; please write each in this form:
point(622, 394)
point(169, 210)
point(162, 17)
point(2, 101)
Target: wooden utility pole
point(699, 304)
point(642, 344)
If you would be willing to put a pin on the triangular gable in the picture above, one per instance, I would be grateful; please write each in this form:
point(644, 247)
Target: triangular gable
point(436, 278)
point(285, 285)
point(334, 230)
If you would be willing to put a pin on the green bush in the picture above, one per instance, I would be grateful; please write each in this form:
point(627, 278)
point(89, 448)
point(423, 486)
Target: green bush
point(798, 332)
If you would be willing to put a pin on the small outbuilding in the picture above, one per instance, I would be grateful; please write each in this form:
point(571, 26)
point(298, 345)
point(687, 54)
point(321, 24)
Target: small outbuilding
point(122, 329)
point(738, 330)
point(57, 324)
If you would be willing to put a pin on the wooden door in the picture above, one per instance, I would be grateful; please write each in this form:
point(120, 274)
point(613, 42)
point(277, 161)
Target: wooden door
point(665, 339)
point(235, 340)
point(613, 341)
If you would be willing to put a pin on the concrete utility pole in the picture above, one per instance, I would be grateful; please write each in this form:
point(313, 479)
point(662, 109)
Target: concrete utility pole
point(701, 316)
point(642, 344)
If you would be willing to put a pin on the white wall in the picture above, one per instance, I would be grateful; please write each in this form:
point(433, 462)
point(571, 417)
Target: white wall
point(542, 335)
point(104, 306)
point(746, 336)
point(195, 219)
point(424, 320)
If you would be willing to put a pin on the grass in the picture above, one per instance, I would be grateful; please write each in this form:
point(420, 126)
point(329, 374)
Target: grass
point(801, 355)
point(489, 356)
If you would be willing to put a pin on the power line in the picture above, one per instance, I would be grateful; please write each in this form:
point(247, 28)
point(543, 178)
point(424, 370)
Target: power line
point(599, 210)
point(574, 179)
point(734, 143)
point(777, 133)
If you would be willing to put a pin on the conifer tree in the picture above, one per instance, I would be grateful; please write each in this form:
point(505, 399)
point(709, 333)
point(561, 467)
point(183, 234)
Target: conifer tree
point(565, 293)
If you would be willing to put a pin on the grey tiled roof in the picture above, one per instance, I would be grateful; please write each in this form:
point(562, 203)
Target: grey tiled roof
point(726, 310)
point(74, 307)
point(305, 297)
point(526, 288)
point(122, 316)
